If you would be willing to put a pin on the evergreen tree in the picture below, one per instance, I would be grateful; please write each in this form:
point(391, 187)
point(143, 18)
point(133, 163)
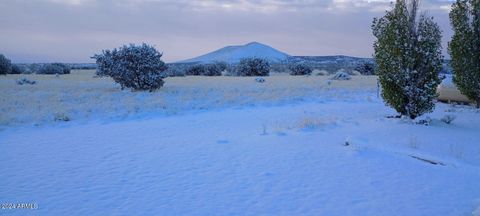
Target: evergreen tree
point(465, 47)
point(408, 57)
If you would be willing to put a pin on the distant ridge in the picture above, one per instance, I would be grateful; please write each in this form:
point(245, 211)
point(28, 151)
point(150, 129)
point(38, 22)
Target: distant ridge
point(233, 54)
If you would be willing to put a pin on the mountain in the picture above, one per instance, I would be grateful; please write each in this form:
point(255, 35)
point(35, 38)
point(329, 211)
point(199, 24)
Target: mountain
point(233, 54)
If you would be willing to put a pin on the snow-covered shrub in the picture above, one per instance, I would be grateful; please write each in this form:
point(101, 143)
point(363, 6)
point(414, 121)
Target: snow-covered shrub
point(221, 65)
point(54, 68)
point(253, 67)
point(5, 65)
point(26, 81)
point(173, 71)
point(135, 67)
point(448, 119)
point(61, 117)
point(196, 70)
point(408, 55)
point(464, 48)
point(300, 69)
point(366, 68)
point(213, 70)
point(427, 121)
point(16, 69)
point(341, 75)
point(259, 80)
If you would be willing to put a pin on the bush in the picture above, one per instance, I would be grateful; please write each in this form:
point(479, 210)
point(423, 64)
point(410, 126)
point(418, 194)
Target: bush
point(253, 67)
point(366, 68)
point(196, 70)
point(448, 119)
point(173, 71)
point(54, 68)
point(135, 67)
point(5, 65)
point(214, 70)
point(16, 69)
point(221, 65)
point(300, 69)
point(24, 81)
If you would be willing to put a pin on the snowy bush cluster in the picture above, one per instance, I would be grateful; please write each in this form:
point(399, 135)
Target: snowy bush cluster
point(24, 81)
point(196, 70)
point(253, 67)
point(5, 65)
point(174, 71)
point(54, 68)
point(300, 69)
point(214, 69)
point(134, 67)
point(16, 69)
point(367, 68)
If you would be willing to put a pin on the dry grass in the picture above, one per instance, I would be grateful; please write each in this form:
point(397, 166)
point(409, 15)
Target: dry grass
point(81, 96)
point(311, 123)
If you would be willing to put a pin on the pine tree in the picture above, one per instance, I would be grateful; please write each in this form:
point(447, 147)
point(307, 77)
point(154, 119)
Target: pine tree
point(408, 57)
point(465, 47)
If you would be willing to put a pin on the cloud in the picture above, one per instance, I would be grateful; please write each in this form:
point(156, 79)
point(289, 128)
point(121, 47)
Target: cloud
point(73, 30)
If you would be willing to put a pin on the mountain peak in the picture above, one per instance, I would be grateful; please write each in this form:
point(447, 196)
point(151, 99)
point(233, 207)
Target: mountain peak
point(254, 43)
point(233, 54)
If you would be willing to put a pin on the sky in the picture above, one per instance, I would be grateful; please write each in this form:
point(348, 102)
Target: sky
point(74, 30)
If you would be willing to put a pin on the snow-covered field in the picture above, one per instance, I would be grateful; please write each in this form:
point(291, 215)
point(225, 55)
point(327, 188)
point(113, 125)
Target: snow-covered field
point(231, 146)
point(80, 97)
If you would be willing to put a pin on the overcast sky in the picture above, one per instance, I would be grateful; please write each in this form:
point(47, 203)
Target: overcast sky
point(73, 30)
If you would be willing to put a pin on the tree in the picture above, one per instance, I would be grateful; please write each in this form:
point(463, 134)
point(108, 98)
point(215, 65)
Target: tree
point(213, 70)
point(300, 69)
point(408, 57)
point(196, 70)
point(366, 68)
point(5, 65)
point(16, 69)
point(135, 67)
point(54, 68)
point(222, 65)
point(253, 67)
point(464, 48)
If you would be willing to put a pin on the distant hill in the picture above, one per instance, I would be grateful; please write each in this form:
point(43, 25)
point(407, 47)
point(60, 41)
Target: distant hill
point(330, 63)
point(233, 54)
point(336, 59)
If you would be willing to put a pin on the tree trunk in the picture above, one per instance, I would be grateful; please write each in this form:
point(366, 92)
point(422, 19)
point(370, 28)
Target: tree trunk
point(478, 102)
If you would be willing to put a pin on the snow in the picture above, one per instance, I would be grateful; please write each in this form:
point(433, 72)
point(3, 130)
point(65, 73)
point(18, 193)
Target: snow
point(81, 97)
point(285, 158)
point(233, 54)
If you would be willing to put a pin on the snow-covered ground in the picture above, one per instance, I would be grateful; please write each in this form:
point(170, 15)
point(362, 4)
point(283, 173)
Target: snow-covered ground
point(285, 156)
point(82, 98)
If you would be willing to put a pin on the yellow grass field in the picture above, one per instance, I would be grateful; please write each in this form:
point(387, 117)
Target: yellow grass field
point(80, 96)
